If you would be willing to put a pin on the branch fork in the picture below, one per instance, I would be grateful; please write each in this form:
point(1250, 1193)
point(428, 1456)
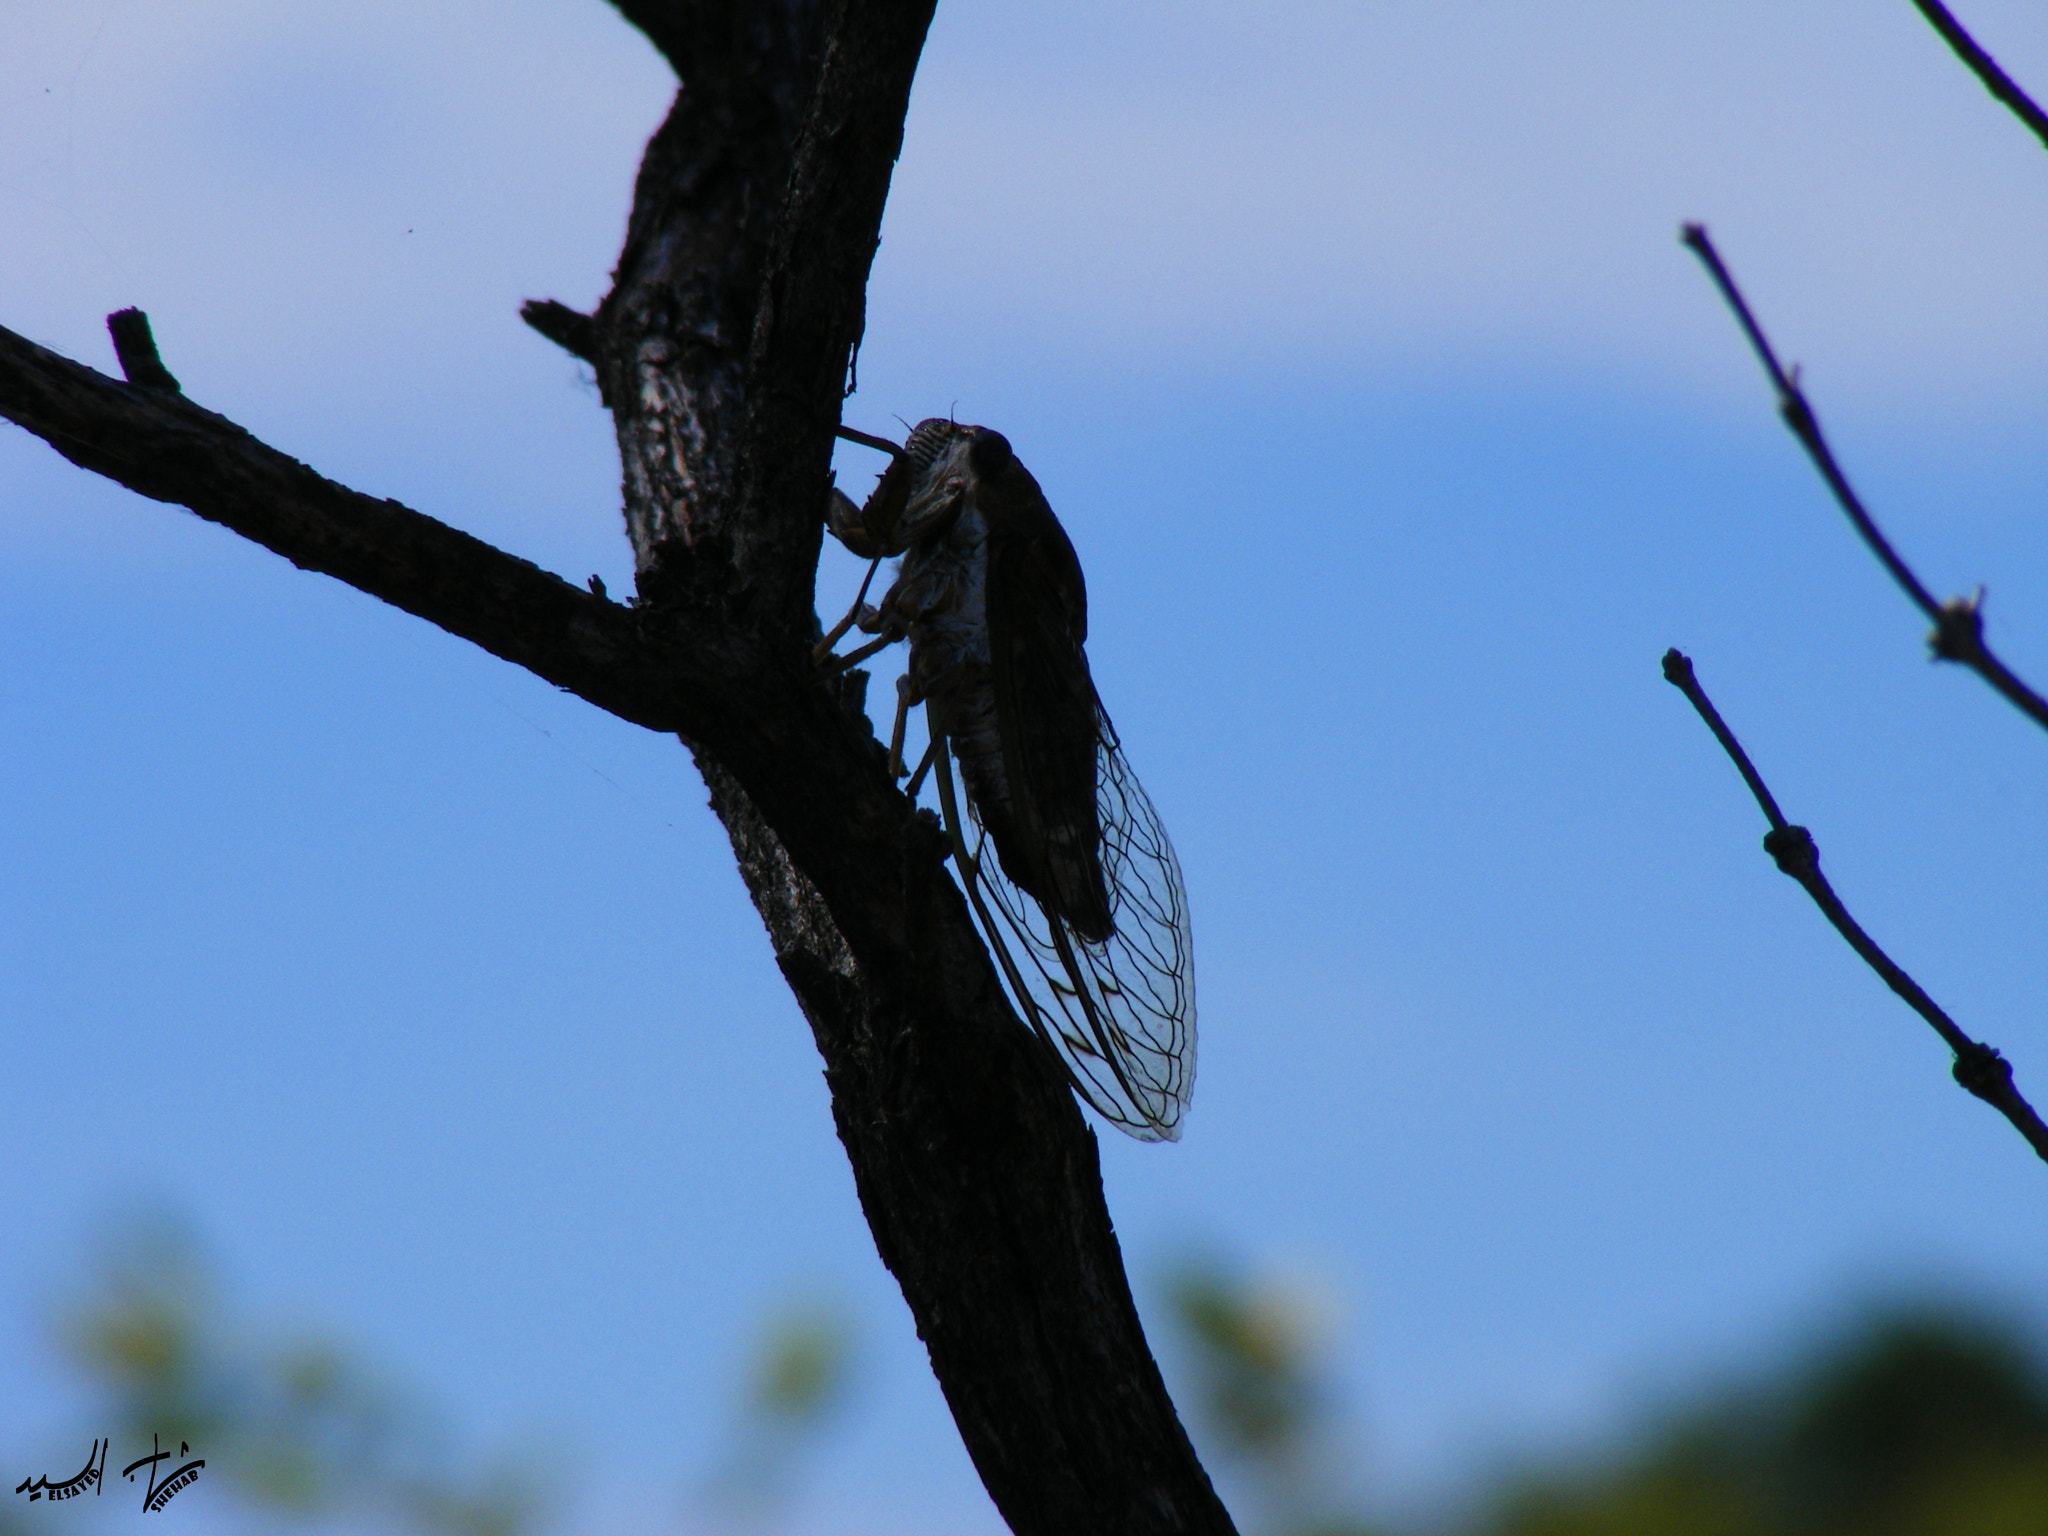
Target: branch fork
point(722, 352)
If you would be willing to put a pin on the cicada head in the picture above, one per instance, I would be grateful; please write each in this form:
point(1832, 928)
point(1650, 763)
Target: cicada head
point(923, 488)
point(951, 460)
point(884, 525)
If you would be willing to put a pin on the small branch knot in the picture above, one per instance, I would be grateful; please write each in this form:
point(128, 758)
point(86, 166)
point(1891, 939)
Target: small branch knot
point(571, 330)
point(1984, 1072)
point(135, 350)
point(1958, 633)
point(1798, 414)
point(1794, 850)
point(1677, 667)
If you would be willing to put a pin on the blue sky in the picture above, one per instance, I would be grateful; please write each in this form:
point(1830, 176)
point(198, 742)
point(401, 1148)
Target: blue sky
point(1354, 345)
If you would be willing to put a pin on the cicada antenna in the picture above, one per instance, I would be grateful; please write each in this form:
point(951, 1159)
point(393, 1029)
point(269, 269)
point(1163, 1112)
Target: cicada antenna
point(868, 440)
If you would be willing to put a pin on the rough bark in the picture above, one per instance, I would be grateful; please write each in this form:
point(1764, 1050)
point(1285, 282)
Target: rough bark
point(674, 335)
point(722, 351)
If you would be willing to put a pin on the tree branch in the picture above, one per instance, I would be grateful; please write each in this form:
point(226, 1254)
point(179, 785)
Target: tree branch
point(978, 1176)
point(1958, 623)
point(673, 335)
point(721, 348)
point(975, 1169)
point(1978, 1067)
point(1984, 67)
point(161, 445)
point(813, 300)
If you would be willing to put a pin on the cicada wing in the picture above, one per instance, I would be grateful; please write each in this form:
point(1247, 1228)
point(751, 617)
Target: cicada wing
point(1121, 1010)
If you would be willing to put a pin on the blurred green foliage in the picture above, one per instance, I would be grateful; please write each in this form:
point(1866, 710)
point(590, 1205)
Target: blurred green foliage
point(1921, 1421)
point(1255, 1347)
point(1928, 1420)
point(294, 1428)
point(801, 1374)
point(297, 1429)
point(803, 1368)
point(1261, 1396)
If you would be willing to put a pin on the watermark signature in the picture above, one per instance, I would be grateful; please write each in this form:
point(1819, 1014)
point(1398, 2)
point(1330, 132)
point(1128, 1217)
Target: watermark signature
point(93, 1476)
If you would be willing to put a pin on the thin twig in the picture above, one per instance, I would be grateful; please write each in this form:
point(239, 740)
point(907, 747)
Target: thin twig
point(1958, 623)
point(1978, 1067)
point(1984, 67)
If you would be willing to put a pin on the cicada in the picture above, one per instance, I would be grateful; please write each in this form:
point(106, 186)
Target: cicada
point(1065, 863)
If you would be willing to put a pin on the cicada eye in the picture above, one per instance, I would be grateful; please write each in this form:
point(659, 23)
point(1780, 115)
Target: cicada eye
point(988, 452)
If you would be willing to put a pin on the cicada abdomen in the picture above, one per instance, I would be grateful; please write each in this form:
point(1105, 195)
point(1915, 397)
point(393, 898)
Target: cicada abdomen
point(1066, 864)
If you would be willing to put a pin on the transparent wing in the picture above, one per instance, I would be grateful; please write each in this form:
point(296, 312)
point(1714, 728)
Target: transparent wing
point(1121, 1013)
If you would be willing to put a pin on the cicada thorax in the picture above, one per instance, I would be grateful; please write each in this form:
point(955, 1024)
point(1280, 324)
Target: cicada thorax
point(940, 599)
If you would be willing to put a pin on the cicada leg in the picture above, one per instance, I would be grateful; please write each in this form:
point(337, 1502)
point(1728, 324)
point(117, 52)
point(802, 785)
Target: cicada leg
point(943, 779)
point(824, 647)
point(924, 766)
point(906, 695)
point(838, 664)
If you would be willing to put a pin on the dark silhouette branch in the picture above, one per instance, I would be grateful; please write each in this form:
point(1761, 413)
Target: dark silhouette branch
point(570, 329)
point(1984, 67)
point(1958, 623)
point(135, 350)
point(721, 351)
point(813, 293)
point(1978, 1067)
point(161, 445)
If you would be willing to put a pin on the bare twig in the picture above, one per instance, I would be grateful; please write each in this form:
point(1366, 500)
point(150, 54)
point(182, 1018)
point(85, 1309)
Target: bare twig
point(1978, 1067)
point(1958, 623)
point(1986, 69)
